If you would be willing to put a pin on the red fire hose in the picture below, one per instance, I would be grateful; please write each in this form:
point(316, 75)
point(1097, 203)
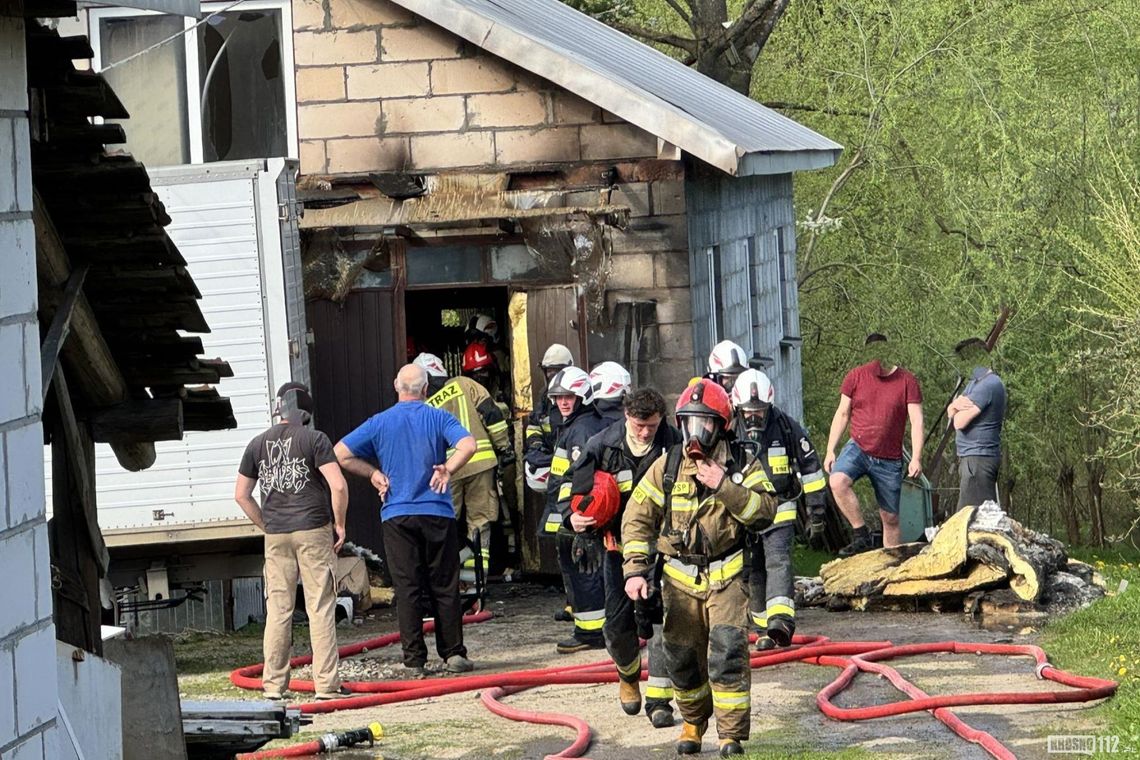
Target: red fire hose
point(852, 657)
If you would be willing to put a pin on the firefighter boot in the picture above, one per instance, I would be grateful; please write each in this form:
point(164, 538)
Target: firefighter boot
point(689, 743)
point(730, 747)
point(764, 643)
point(630, 697)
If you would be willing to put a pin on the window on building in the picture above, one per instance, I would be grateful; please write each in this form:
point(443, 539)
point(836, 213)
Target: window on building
point(226, 85)
point(788, 296)
point(716, 296)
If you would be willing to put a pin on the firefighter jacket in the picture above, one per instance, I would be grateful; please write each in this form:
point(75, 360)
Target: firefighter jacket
point(700, 532)
point(784, 451)
point(471, 404)
point(569, 445)
point(607, 451)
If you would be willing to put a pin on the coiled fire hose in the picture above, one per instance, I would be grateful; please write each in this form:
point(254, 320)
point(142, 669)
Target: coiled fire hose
point(852, 657)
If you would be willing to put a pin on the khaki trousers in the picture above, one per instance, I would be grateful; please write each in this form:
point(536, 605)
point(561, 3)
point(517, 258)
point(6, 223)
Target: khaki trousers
point(706, 652)
point(478, 493)
point(307, 554)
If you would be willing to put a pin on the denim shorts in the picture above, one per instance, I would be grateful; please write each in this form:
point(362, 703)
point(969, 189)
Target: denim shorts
point(886, 474)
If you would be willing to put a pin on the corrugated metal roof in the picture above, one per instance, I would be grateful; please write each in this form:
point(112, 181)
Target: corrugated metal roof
point(641, 85)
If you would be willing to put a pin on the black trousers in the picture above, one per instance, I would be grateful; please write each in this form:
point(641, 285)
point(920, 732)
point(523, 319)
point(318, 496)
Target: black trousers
point(587, 594)
point(423, 557)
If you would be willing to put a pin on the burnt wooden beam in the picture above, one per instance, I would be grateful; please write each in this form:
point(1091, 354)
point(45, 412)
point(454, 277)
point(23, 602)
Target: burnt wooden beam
point(111, 174)
point(81, 94)
point(49, 8)
point(138, 421)
point(60, 327)
point(86, 355)
point(87, 136)
point(79, 556)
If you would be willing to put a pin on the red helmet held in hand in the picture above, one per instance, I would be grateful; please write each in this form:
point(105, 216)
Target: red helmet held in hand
point(602, 502)
point(477, 356)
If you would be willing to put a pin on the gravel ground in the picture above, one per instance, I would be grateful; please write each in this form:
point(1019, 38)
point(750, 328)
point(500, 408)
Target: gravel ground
point(785, 718)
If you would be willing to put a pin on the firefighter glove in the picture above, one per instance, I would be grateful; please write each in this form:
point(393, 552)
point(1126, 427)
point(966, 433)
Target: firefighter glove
point(588, 552)
point(506, 457)
point(647, 613)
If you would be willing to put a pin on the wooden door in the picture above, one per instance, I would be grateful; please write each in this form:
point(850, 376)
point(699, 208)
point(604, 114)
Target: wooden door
point(358, 347)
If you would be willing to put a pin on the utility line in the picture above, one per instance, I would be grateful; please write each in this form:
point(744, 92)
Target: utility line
point(172, 37)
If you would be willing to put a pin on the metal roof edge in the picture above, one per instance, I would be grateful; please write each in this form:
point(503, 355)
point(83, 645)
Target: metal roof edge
point(691, 135)
point(783, 162)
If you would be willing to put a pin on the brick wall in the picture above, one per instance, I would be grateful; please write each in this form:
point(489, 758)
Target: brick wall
point(27, 636)
point(380, 89)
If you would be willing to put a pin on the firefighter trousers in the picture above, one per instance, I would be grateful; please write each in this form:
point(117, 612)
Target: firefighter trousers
point(771, 580)
point(706, 653)
point(587, 592)
point(623, 645)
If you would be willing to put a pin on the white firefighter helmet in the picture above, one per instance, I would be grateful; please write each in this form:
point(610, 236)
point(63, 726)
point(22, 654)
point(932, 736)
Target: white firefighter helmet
point(431, 363)
point(572, 381)
point(536, 477)
point(753, 391)
point(487, 325)
point(727, 358)
point(557, 356)
point(610, 380)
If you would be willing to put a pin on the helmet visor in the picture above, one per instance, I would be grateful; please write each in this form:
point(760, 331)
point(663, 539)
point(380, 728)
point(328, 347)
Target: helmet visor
point(755, 416)
point(727, 379)
point(699, 428)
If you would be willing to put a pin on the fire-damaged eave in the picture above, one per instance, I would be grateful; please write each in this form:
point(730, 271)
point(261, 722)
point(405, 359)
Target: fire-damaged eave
point(465, 200)
point(113, 288)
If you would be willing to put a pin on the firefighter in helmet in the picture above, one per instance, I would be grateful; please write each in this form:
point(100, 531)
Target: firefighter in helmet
point(539, 442)
point(626, 450)
point(572, 393)
point(695, 505)
point(473, 489)
point(780, 446)
point(726, 361)
point(486, 357)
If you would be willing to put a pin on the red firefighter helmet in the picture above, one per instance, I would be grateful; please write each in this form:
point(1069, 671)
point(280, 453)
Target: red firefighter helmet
point(704, 398)
point(605, 503)
point(477, 356)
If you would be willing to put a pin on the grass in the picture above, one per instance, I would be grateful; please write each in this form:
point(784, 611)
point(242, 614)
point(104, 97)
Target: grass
point(850, 753)
point(807, 561)
point(1103, 640)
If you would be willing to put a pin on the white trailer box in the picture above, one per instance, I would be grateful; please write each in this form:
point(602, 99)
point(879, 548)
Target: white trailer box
point(236, 225)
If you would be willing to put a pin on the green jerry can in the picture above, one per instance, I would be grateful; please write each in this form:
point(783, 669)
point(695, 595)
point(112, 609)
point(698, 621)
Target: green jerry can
point(916, 506)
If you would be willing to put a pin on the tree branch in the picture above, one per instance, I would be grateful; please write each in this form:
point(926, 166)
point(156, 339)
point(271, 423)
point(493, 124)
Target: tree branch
point(857, 160)
point(683, 43)
point(753, 27)
point(676, 6)
point(784, 105)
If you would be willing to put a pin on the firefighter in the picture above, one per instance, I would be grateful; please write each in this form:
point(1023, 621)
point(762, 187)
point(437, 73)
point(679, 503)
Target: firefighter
point(538, 444)
point(781, 448)
point(626, 450)
point(696, 504)
point(611, 382)
point(572, 393)
point(482, 343)
point(473, 487)
point(726, 362)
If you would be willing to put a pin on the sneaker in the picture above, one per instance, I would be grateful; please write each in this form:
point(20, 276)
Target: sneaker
point(730, 747)
point(340, 693)
point(857, 546)
point(413, 672)
point(274, 696)
point(575, 644)
point(661, 718)
point(457, 663)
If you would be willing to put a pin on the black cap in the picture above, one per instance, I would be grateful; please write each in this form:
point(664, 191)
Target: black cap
point(294, 397)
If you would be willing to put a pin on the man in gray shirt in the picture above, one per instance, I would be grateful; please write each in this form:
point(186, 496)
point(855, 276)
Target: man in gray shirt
point(977, 417)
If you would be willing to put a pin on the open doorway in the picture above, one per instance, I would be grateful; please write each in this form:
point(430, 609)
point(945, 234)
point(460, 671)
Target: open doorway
point(437, 319)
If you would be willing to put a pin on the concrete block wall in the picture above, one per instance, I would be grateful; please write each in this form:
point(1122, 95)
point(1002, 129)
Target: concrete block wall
point(28, 691)
point(379, 89)
point(650, 263)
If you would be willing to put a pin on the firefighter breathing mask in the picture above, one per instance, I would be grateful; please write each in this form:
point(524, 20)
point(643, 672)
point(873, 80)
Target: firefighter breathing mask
point(700, 435)
point(752, 396)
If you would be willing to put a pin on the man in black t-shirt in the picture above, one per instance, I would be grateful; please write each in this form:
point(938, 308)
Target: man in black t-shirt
point(304, 501)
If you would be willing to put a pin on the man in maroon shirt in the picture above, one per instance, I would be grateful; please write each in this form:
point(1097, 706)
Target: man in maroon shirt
point(877, 398)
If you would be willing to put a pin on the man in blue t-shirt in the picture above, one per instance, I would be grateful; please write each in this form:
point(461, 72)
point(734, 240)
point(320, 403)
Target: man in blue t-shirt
point(977, 415)
point(409, 453)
